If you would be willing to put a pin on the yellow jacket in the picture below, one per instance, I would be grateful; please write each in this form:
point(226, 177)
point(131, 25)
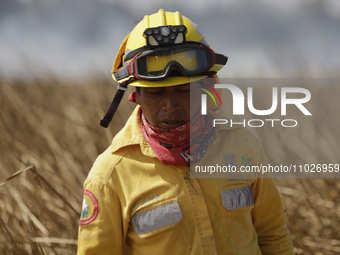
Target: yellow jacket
point(133, 204)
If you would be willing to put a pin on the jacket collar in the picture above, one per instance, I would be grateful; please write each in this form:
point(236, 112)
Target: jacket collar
point(132, 134)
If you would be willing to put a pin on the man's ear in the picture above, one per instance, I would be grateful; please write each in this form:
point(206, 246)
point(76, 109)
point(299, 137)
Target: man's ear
point(137, 95)
point(133, 97)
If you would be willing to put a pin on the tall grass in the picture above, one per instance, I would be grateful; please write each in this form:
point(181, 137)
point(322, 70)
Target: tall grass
point(50, 131)
point(54, 127)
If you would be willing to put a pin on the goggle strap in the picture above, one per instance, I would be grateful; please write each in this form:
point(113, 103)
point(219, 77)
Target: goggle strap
point(133, 53)
point(221, 59)
point(122, 73)
point(122, 87)
point(126, 71)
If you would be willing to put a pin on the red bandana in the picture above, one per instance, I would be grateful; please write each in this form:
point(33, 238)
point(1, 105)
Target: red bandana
point(175, 146)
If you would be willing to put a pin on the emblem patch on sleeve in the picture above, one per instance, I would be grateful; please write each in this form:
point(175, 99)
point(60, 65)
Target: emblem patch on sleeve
point(90, 208)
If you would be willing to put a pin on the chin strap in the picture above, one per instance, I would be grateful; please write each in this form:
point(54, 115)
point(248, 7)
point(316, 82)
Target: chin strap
point(121, 88)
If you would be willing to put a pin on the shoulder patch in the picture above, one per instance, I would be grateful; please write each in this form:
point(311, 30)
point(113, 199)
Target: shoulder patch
point(89, 209)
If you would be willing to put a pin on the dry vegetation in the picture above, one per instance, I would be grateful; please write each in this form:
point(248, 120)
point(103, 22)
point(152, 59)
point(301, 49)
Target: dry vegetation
point(54, 127)
point(50, 130)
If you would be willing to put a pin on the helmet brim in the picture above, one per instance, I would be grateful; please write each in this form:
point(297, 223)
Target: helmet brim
point(168, 82)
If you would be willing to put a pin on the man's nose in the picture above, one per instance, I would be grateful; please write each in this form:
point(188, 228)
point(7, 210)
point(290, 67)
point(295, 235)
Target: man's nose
point(170, 103)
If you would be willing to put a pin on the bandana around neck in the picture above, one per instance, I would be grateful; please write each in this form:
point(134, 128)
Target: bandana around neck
point(175, 146)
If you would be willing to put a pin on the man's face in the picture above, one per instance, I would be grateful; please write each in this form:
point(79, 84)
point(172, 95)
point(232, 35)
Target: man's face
point(168, 107)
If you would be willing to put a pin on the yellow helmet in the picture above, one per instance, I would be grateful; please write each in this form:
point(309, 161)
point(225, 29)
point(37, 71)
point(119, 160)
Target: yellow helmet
point(165, 49)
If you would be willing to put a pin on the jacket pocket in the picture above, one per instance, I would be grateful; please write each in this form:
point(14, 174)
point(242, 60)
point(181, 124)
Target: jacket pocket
point(157, 229)
point(238, 204)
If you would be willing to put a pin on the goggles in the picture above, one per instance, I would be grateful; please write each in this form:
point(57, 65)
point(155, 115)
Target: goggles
point(160, 63)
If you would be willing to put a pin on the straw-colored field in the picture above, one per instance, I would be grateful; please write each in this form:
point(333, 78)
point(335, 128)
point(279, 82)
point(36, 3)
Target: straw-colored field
point(51, 130)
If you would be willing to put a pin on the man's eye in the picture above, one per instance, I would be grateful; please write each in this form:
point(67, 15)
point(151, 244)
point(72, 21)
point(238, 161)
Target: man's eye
point(184, 90)
point(157, 92)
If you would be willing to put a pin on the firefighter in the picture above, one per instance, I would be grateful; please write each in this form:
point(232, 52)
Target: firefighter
point(140, 196)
